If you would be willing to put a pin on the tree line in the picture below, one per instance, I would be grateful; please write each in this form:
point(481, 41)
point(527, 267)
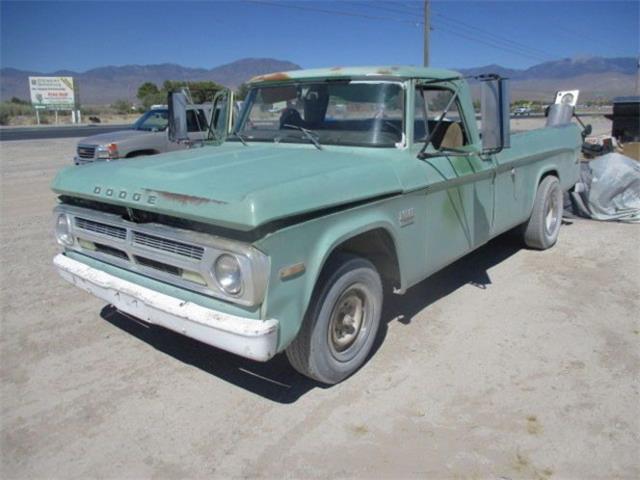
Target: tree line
point(150, 94)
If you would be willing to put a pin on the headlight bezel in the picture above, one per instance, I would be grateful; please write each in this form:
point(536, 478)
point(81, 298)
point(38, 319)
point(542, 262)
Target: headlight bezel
point(221, 284)
point(68, 233)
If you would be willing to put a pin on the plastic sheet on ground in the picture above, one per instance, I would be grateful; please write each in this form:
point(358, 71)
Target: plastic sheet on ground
point(610, 190)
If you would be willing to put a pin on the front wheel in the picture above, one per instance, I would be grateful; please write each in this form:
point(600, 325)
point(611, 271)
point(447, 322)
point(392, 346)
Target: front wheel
point(341, 323)
point(542, 229)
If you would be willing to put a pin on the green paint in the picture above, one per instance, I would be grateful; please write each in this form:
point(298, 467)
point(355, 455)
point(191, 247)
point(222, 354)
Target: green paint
point(242, 188)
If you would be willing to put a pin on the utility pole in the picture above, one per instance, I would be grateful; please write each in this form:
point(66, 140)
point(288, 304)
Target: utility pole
point(638, 77)
point(427, 31)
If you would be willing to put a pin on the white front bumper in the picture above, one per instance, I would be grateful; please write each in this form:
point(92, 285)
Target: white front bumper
point(247, 337)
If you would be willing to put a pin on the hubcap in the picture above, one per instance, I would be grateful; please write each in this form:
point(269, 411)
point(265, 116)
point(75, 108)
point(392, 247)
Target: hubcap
point(347, 319)
point(551, 216)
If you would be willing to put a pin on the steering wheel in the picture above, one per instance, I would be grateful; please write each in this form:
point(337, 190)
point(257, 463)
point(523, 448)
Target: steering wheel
point(290, 116)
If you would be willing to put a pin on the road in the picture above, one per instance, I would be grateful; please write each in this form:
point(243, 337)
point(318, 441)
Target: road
point(64, 131)
point(510, 364)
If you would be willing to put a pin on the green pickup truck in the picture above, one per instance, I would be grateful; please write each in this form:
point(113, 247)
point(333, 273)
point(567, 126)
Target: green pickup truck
point(335, 188)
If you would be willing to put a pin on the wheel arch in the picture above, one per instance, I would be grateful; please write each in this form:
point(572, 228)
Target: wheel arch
point(138, 153)
point(547, 172)
point(544, 172)
point(377, 245)
point(369, 232)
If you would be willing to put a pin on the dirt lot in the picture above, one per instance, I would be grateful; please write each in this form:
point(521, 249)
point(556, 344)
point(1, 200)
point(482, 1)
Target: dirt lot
point(509, 364)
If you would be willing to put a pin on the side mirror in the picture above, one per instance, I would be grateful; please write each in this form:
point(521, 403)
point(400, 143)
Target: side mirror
point(494, 107)
point(177, 102)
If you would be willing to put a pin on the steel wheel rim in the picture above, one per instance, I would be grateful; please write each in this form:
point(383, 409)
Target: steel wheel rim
point(349, 323)
point(551, 215)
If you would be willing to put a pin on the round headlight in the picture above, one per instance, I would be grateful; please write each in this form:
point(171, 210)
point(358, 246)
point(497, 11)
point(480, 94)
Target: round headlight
point(63, 230)
point(228, 274)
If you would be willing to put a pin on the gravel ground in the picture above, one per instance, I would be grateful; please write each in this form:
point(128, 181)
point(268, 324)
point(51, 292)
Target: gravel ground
point(508, 364)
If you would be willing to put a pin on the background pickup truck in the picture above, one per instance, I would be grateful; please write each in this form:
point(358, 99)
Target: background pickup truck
point(288, 236)
point(147, 136)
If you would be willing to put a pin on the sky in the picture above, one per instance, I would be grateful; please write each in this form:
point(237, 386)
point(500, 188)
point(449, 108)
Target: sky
point(51, 35)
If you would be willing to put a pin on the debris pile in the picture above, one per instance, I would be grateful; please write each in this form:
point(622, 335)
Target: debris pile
point(609, 189)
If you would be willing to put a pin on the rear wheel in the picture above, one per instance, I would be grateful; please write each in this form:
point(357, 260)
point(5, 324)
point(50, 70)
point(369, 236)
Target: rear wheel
point(542, 229)
point(341, 323)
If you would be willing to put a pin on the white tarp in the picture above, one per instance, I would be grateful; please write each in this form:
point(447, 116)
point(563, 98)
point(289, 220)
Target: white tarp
point(610, 187)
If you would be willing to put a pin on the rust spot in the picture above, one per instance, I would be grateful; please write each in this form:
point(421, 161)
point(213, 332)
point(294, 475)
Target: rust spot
point(271, 77)
point(186, 199)
point(384, 71)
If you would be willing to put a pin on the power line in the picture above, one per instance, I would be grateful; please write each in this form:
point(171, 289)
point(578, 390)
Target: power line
point(519, 45)
point(416, 3)
point(380, 7)
point(332, 12)
point(441, 28)
point(530, 52)
point(469, 36)
point(556, 28)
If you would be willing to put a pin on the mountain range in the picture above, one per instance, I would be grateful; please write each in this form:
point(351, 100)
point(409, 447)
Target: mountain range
point(105, 85)
point(596, 77)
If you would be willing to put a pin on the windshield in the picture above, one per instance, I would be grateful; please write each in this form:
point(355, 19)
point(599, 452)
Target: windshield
point(153, 121)
point(349, 112)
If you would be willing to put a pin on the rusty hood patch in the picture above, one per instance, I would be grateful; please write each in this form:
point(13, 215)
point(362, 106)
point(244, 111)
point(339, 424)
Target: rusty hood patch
point(185, 199)
point(271, 77)
point(234, 186)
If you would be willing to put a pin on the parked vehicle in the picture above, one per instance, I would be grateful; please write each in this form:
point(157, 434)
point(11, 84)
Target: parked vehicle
point(147, 136)
point(289, 235)
point(522, 112)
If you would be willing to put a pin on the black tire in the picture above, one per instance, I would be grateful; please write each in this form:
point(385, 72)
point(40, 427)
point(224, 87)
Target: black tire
point(542, 229)
point(328, 347)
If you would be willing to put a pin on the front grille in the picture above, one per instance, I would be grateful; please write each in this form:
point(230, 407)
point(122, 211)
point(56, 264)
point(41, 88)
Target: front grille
point(86, 151)
point(101, 228)
point(106, 249)
point(170, 255)
point(166, 245)
point(163, 267)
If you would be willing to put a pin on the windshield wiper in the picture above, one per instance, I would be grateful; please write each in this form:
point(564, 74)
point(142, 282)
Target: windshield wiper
point(239, 137)
point(310, 134)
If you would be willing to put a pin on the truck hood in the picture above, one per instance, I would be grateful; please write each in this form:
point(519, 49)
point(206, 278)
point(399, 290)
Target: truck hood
point(112, 137)
point(235, 186)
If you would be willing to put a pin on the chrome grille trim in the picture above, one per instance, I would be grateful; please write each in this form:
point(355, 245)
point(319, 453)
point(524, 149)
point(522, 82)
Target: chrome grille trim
point(180, 250)
point(87, 152)
point(166, 245)
point(101, 228)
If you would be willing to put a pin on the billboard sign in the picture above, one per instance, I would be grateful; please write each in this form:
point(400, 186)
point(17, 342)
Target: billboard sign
point(52, 93)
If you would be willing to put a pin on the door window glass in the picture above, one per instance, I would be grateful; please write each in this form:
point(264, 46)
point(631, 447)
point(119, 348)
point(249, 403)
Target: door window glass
point(196, 121)
point(430, 104)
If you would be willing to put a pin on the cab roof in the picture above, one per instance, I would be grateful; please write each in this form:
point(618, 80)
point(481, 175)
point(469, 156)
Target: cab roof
point(401, 72)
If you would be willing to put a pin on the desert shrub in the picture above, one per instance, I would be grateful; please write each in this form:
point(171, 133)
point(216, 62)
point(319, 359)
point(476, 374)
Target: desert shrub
point(8, 110)
point(122, 106)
